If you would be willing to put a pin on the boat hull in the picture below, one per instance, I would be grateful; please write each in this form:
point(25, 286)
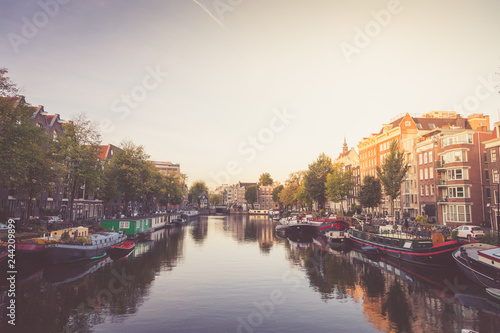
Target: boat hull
point(477, 271)
point(437, 255)
point(61, 253)
point(122, 250)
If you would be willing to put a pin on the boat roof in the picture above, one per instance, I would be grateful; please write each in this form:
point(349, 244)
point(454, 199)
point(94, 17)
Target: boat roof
point(492, 253)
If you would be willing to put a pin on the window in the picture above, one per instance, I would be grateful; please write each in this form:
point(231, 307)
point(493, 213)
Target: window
point(124, 224)
point(426, 189)
point(407, 123)
point(419, 126)
point(485, 157)
point(494, 174)
point(488, 192)
point(422, 190)
point(456, 213)
point(420, 159)
point(426, 173)
point(456, 174)
point(454, 156)
point(458, 192)
point(431, 173)
point(430, 157)
point(421, 174)
point(460, 139)
point(432, 189)
point(432, 126)
point(493, 155)
point(425, 157)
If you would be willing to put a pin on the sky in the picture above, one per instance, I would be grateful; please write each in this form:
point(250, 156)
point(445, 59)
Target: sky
point(230, 89)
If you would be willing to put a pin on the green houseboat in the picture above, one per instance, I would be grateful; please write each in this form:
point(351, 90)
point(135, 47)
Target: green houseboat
point(132, 227)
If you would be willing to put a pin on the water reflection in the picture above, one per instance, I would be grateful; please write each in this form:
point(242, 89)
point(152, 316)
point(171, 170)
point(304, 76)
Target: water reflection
point(395, 296)
point(245, 228)
point(75, 297)
point(389, 294)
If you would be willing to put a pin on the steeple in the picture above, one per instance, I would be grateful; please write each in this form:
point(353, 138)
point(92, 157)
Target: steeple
point(344, 149)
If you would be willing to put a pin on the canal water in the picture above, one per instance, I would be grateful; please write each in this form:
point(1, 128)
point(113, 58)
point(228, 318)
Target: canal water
point(233, 274)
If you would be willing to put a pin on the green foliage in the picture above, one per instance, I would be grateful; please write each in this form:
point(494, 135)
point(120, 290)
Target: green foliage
point(370, 194)
point(490, 238)
point(196, 189)
point(315, 178)
point(215, 199)
point(76, 150)
point(171, 190)
point(251, 194)
point(276, 194)
point(81, 240)
point(65, 236)
point(303, 197)
point(339, 183)
point(393, 172)
point(289, 192)
point(265, 179)
point(7, 87)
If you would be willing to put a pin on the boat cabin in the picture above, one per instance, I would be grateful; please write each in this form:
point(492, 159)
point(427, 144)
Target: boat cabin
point(132, 227)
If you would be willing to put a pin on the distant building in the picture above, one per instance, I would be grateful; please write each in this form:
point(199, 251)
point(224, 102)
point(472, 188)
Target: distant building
point(350, 159)
point(491, 158)
point(407, 130)
point(166, 168)
point(203, 201)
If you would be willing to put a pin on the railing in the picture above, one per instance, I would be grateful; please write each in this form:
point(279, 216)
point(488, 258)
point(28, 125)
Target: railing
point(442, 198)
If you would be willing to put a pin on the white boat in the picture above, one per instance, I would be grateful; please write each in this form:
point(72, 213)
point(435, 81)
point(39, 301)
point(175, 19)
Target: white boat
point(480, 263)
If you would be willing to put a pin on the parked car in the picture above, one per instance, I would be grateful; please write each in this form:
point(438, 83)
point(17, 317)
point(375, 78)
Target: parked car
point(51, 219)
point(470, 232)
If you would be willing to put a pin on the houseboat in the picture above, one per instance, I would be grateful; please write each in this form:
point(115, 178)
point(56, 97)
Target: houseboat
point(480, 263)
point(159, 221)
point(258, 212)
point(134, 227)
point(32, 249)
point(94, 246)
point(189, 214)
point(434, 251)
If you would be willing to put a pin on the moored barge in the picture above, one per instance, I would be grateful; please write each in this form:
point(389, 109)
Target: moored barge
point(426, 251)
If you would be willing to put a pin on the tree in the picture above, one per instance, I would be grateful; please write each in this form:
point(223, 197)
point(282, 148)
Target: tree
point(339, 184)
point(76, 151)
point(370, 193)
point(171, 190)
point(195, 190)
point(215, 199)
point(7, 87)
point(303, 197)
point(393, 172)
point(288, 194)
point(26, 163)
point(127, 174)
point(276, 195)
point(251, 194)
point(315, 178)
point(265, 179)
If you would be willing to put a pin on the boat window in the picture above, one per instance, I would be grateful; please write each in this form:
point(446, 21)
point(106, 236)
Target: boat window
point(408, 245)
point(395, 242)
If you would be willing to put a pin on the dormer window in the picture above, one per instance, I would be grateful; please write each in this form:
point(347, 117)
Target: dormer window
point(432, 126)
point(419, 126)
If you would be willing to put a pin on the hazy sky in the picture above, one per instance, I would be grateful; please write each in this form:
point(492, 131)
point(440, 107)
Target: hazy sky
point(234, 88)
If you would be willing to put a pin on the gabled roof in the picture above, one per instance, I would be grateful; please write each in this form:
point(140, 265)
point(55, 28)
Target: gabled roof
point(246, 184)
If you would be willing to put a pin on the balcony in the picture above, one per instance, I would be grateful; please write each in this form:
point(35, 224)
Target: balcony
point(441, 182)
point(441, 199)
point(439, 165)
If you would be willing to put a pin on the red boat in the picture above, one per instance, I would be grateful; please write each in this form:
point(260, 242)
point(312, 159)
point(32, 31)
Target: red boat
point(121, 250)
